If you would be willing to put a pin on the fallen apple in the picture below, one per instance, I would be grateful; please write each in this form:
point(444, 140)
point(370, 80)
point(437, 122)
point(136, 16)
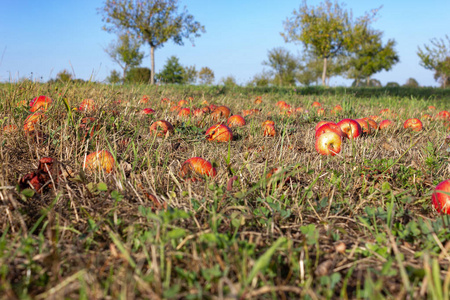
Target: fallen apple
point(330, 127)
point(235, 121)
point(219, 133)
point(441, 201)
point(197, 167)
point(99, 160)
point(329, 143)
point(40, 103)
point(414, 124)
point(350, 127)
point(161, 128)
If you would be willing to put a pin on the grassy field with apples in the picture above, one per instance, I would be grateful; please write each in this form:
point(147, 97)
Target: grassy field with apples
point(270, 217)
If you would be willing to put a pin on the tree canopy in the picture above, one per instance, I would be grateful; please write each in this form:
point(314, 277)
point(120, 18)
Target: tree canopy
point(368, 55)
point(325, 30)
point(125, 52)
point(283, 66)
point(206, 76)
point(437, 57)
point(153, 21)
point(172, 72)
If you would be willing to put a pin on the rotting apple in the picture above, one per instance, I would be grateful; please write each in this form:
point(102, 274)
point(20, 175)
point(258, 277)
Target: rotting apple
point(221, 112)
point(147, 111)
point(87, 105)
point(184, 113)
point(195, 167)
point(385, 124)
point(40, 103)
point(269, 130)
point(235, 121)
point(364, 126)
point(219, 133)
point(99, 160)
point(161, 128)
point(414, 124)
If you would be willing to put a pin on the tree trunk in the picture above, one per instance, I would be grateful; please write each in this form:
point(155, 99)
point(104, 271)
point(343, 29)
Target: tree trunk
point(152, 71)
point(324, 72)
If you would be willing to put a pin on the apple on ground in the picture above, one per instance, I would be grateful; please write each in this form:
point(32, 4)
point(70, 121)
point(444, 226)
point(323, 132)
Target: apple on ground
point(329, 143)
point(413, 123)
point(350, 127)
point(441, 201)
point(330, 127)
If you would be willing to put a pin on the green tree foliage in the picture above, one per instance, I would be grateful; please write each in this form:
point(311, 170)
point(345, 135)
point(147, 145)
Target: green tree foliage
point(152, 21)
point(283, 66)
point(260, 80)
point(229, 81)
point(436, 57)
point(323, 29)
point(368, 55)
point(138, 75)
point(444, 79)
point(114, 77)
point(206, 76)
point(125, 52)
point(392, 84)
point(366, 83)
point(172, 72)
point(190, 75)
point(64, 76)
point(411, 82)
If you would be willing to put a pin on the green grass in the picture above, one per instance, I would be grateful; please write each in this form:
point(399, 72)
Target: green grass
point(357, 225)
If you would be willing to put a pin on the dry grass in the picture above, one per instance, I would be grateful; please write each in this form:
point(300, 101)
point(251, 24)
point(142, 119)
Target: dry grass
point(357, 225)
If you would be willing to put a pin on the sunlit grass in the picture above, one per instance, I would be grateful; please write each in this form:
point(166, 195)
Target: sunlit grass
point(356, 225)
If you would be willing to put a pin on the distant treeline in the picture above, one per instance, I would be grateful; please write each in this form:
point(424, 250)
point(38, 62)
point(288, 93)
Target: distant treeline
point(360, 92)
point(426, 93)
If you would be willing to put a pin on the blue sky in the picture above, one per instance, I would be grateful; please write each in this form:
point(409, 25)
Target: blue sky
point(45, 37)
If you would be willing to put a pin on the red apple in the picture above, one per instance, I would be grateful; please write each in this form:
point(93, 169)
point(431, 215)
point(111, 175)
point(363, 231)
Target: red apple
point(441, 201)
point(219, 133)
point(184, 113)
point(329, 143)
point(413, 123)
point(321, 123)
point(147, 111)
point(87, 105)
point(197, 166)
point(161, 128)
point(269, 130)
point(40, 103)
point(99, 160)
point(351, 128)
point(443, 115)
point(235, 121)
point(364, 126)
point(385, 124)
point(329, 127)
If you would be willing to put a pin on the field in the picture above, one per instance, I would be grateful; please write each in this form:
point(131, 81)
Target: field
point(360, 224)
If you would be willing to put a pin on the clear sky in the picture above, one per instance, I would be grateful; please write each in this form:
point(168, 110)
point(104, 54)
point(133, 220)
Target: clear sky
point(39, 38)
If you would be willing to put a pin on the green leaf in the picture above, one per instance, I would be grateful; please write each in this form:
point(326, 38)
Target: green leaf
point(101, 186)
point(176, 233)
point(264, 260)
point(28, 193)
